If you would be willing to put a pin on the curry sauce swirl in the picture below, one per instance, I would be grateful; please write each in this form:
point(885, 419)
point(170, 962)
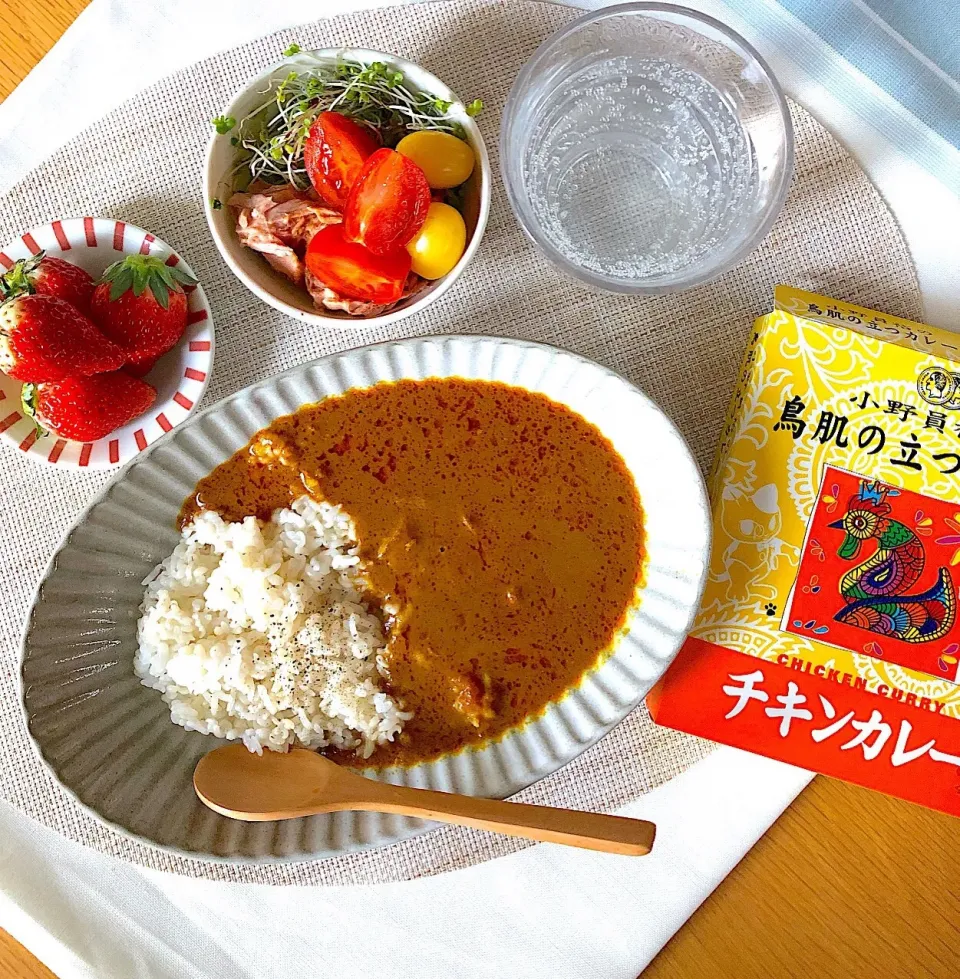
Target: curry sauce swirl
point(501, 532)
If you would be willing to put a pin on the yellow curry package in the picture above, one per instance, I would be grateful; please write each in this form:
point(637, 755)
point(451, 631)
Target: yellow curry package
point(829, 634)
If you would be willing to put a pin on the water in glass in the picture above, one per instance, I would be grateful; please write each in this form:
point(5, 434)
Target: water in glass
point(636, 167)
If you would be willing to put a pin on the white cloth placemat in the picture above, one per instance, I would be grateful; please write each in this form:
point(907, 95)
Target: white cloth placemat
point(574, 914)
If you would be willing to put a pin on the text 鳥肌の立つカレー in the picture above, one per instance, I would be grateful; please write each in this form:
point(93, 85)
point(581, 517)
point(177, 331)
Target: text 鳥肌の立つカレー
point(829, 633)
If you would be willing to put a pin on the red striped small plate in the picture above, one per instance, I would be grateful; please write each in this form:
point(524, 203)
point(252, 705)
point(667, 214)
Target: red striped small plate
point(180, 376)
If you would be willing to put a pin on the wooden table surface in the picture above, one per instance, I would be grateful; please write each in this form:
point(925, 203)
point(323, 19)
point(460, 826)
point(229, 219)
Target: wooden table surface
point(848, 884)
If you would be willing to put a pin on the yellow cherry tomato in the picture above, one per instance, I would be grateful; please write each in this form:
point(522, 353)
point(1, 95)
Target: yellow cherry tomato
point(446, 160)
point(440, 243)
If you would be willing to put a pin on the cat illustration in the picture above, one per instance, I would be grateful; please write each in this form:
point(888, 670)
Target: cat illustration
point(752, 523)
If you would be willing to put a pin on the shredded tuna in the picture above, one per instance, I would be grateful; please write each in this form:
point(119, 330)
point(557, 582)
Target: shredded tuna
point(278, 223)
point(282, 257)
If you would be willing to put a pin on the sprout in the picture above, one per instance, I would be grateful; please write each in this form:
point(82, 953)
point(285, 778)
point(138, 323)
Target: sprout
point(272, 136)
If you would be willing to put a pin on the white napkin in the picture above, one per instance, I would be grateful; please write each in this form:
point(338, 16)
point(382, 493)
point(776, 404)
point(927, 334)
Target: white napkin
point(546, 911)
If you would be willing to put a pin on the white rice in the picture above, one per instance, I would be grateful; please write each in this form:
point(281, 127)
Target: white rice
point(256, 630)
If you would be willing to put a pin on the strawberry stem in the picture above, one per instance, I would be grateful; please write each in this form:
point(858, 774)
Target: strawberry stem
point(141, 272)
point(17, 281)
point(28, 402)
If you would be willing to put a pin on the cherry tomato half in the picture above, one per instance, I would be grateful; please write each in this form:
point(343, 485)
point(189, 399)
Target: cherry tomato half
point(334, 153)
point(388, 203)
point(353, 270)
point(445, 160)
point(440, 242)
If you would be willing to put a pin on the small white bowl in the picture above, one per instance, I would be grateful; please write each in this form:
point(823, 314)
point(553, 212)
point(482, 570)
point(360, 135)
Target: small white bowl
point(180, 376)
point(254, 272)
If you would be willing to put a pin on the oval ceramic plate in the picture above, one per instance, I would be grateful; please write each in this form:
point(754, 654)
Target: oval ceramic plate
point(110, 741)
point(180, 375)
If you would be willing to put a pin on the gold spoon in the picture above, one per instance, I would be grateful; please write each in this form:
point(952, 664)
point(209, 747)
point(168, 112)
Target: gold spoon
point(242, 785)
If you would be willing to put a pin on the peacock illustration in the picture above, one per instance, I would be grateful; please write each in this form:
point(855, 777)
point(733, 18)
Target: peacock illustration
point(876, 591)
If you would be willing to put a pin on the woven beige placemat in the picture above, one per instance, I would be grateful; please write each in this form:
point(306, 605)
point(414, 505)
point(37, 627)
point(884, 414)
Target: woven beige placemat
point(143, 163)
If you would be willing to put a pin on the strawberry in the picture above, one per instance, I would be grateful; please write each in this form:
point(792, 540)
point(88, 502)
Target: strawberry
point(142, 367)
point(140, 305)
point(43, 338)
point(48, 276)
point(87, 408)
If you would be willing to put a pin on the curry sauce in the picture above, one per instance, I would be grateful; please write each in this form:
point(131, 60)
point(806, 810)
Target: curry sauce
point(502, 535)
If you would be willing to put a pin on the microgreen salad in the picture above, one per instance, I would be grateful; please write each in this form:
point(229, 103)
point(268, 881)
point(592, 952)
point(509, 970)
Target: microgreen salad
point(350, 183)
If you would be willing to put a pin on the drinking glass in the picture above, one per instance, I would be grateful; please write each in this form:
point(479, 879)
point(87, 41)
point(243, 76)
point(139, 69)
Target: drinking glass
point(646, 148)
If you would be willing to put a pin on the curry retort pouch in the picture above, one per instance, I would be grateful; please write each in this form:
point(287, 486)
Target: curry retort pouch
point(829, 634)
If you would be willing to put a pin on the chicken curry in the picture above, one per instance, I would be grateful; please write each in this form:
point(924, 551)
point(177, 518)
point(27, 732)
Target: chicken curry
point(502, 536)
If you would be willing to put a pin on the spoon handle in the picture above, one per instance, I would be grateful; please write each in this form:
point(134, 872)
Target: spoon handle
point(593, 831)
